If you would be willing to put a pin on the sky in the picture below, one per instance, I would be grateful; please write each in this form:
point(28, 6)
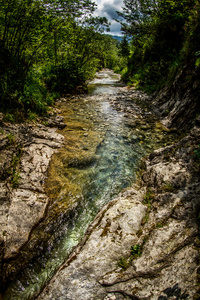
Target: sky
point(108, 8)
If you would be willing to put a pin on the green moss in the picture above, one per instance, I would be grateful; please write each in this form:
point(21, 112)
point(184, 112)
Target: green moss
point(136, 251)
point(125, 262)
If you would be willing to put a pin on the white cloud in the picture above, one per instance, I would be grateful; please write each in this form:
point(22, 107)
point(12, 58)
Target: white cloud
point(108, 8)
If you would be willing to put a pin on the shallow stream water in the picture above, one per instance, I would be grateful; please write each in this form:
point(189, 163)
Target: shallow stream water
point(100, 158)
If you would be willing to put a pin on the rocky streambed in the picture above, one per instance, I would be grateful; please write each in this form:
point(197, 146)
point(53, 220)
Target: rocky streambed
point(143, 244)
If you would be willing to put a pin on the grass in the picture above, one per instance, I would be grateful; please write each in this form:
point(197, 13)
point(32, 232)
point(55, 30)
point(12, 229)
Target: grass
point(9, 117)
point(148, 199)
point(161, 224)
point(32, 116)
point(12, 173)
point(136, 251)
point(11, 139)
point(14, 169)
point(15, 179)
point(125, 262)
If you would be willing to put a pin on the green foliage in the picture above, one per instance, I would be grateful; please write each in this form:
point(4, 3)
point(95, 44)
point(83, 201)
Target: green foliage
point(125, 262)
point(49, 48)
point(191, 30)
point(124, 47)
point(11, 138)
point(165, 34)
point(197, 63)
point(65, 77)
point(136, 250)
point(32, 116)
point(14, 171)
point(136, 15)
point(15, 179)
point(149, 197)
point(33, 96)
point(22, 30)
point(9, 118)
point(161, 224)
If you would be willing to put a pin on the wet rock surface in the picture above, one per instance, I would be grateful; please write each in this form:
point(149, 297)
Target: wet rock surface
point(144, 244)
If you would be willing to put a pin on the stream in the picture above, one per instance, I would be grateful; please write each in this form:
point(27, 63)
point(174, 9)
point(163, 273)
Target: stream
point(106, 136)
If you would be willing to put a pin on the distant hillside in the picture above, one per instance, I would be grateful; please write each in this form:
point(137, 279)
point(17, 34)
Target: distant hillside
point(116, 37)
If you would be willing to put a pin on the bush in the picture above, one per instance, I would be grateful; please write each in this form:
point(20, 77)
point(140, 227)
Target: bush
point(64, 77)
point(34, 94)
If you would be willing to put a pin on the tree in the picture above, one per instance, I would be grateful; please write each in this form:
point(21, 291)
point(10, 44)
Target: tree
point(158, 35)
point(124, 47)
point(32, 31)
point(135, 16)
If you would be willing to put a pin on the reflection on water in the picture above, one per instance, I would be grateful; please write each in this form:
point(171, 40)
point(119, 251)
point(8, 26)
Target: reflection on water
point(100, 158)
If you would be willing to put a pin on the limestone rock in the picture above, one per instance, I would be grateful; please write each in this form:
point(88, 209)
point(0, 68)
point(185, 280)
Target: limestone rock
point(26, 209)
point(111, 235)
point(160, 219)
point(24, 164)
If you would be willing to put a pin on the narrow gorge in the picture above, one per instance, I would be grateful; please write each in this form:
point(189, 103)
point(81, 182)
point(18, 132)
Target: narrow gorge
point(100, 200)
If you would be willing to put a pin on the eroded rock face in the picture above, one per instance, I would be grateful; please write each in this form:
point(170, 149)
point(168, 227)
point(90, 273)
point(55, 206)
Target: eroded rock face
point(25, 154)
point(158, 219)
point(178, 104)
